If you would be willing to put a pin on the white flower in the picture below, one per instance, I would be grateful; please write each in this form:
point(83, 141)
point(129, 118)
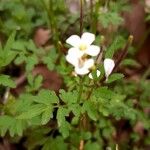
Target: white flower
point(84, 66)
point(78, 54)
point(97, 74)
point(108, 66)
point(73, 56)
point(83, 45)
point(81, 64)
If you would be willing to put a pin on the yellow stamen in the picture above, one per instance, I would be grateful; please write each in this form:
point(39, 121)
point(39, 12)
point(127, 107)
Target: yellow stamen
point(83, 47)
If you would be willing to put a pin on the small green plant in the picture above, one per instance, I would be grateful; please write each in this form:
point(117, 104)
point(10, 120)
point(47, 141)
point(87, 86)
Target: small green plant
point(96, 104)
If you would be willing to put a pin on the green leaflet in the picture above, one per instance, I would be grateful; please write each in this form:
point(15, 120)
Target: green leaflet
point(117, 44)
point(47, 97)
point(51, 143)
point(91, 109)
point(63, 125)
point(68, 97)
point(34, 110)
point(92, 145)
point(50, 59)
point(130, 62)
point(6, 53)
point(114, 77)
point(47, 114)
point(14, 126)
point(103, 92)
point(6, 81)
point(34, 82)
point(31, 62)
point(110, 18)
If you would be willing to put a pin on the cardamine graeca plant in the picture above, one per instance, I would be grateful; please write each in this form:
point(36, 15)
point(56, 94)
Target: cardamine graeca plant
point(69, 79)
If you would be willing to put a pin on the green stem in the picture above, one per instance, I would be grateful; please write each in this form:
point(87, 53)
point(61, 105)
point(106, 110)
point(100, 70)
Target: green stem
point(51, 21)
point(94, 11)
point(91, 89)
point(80, 88)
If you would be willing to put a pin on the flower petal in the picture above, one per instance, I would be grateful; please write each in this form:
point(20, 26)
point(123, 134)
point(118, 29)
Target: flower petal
point(85, 68)
point(75, 52)
point(93, 50)
point(81, 71)
point(88, 38)
point(72, 58)
point(108, 66)
point(90, 76)
point(89, 63)
point(97, 74)
point(73, 40)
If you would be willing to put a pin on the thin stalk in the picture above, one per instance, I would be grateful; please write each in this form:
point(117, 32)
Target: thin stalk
point(81, 17)
point(6, 95)
point(100, 55)
point(92, 83)
point(107, 3)
point(90, 93)
point(124, 52)
point(94, 15)
point(81, 146)
point(120, 57)
point(146, 74)
point(91, 15)
point(48, 14)
point(83, 117)
point(143, 39)
point(54, 25)
point(80, 89)
point(51, 21)
point(117, 147)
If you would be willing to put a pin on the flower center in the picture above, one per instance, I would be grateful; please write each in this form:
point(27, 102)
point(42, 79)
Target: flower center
point(82, 47)
point(93, 67)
